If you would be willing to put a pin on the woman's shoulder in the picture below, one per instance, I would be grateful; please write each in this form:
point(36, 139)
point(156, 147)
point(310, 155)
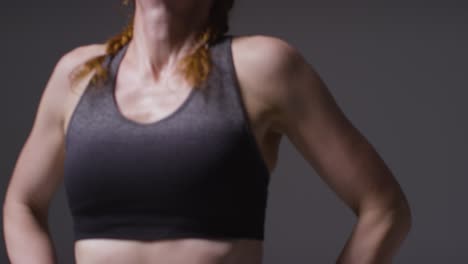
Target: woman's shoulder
point(59, 80)
point(265, 58)
point(273, 71)
point(265, 49)
point(80, 54)
point(86, 51)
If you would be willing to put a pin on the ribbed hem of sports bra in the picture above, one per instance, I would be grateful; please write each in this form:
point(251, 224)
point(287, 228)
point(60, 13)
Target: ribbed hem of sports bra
point(84, 235)
point(166, 228)
point(150, 228)
point(247, 127)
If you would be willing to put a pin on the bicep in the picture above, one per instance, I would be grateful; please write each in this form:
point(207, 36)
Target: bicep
point(341, 155)
point(38, 168)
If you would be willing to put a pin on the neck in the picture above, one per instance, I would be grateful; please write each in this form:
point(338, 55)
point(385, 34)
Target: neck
point(163, 32)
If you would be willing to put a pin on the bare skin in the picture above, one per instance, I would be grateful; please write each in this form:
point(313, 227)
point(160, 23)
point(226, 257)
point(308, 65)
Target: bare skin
point(283, 95)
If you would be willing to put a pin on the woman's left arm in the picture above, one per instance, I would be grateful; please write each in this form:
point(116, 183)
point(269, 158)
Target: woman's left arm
point(309, 116)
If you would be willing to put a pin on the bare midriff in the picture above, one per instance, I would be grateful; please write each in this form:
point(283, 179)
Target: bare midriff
point(174, 251)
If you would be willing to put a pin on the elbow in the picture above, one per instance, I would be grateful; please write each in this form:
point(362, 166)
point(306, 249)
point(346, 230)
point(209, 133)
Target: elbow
point(402, 214)
point(400, 210)
point(399, 220)
point(397, 215)
point(14, 205)
point(392, 209)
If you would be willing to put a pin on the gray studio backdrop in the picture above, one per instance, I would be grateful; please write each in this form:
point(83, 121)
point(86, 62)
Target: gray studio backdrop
point(398, 69)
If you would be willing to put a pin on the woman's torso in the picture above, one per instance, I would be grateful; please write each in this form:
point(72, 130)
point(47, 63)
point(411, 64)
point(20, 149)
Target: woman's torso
point(184, 250)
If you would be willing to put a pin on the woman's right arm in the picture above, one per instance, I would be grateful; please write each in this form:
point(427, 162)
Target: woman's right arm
point(37, 174)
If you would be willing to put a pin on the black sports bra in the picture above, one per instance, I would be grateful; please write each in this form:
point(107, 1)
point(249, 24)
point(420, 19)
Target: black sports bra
point(197, 172)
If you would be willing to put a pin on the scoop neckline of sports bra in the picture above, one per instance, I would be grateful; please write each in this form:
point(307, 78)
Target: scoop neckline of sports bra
point(115, 107)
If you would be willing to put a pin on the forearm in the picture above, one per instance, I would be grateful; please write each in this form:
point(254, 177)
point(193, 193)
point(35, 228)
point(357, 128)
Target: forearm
point(27, 239)
point(376, 237)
